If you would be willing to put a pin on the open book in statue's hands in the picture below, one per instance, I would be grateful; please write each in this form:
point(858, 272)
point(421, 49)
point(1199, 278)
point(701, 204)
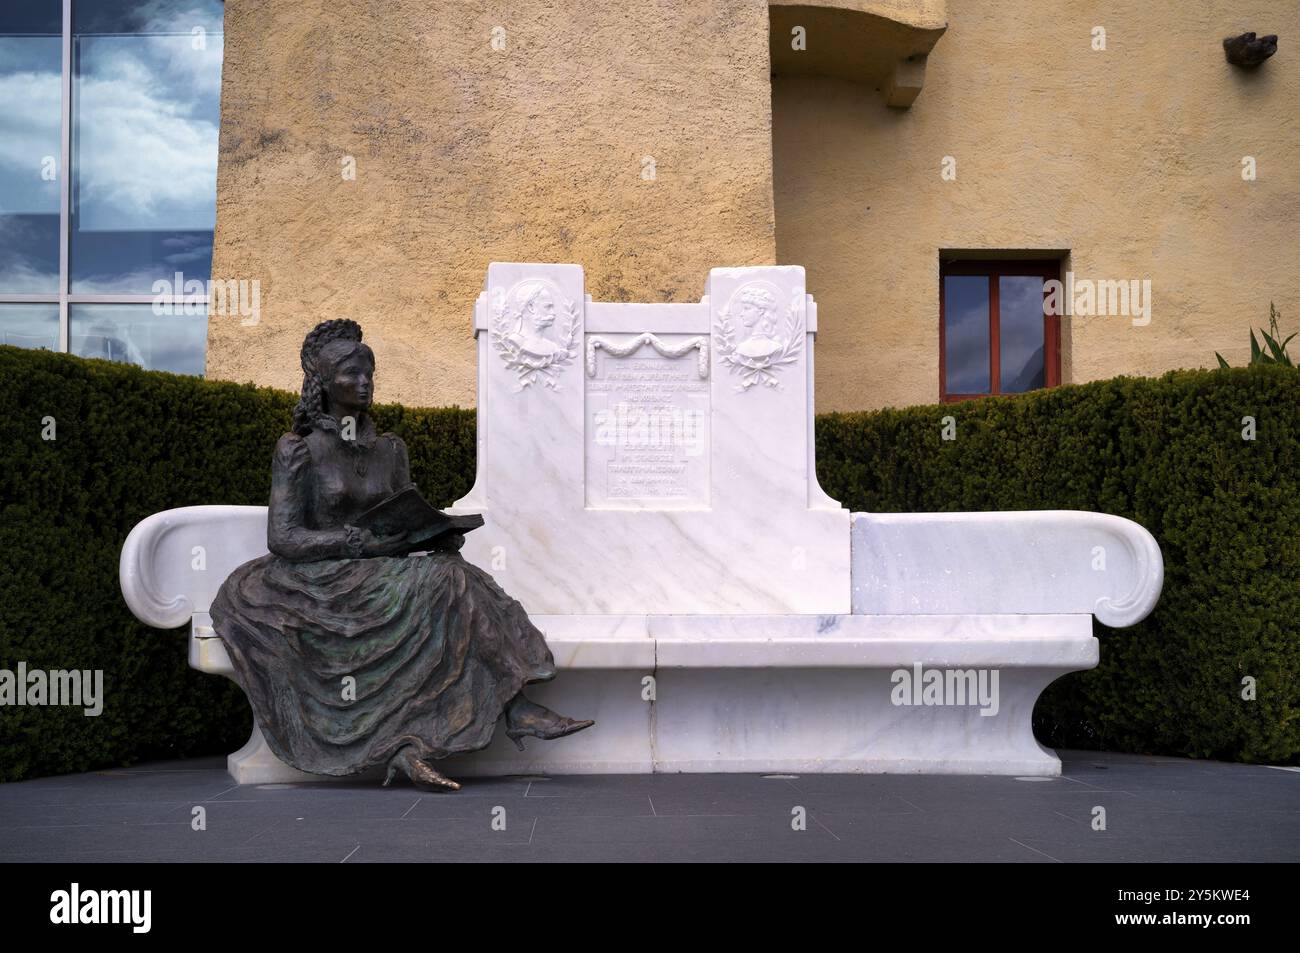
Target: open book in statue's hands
point(408, 514)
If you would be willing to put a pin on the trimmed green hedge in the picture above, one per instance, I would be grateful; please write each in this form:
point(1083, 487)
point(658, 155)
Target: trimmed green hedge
point(1166, 452)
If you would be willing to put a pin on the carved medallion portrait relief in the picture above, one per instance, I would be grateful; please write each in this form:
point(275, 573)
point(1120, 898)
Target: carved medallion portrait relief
point(758, 314)
point(535, 330)
point(757, 334)
point(532, 314)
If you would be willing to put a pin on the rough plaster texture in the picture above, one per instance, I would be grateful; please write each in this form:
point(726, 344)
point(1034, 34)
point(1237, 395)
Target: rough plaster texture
point(466, 154)
point(1130, 159)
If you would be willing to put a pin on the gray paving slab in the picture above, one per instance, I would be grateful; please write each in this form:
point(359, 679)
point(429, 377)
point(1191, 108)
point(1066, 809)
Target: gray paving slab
point(1157, 810)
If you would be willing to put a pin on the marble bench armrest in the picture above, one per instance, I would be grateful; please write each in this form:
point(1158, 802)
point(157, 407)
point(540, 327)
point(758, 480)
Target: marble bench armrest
point(173, 562)
point(1046, 562)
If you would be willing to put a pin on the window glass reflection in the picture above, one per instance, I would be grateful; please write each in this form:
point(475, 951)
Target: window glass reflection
point(1020, 333)
point(30, 325)
point(146, 94)
point(31, 67)
point(966, 333)
point(133, 333)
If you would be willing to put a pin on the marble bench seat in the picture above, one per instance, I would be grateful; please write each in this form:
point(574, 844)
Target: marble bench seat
point(651, 643)
point(784, 693)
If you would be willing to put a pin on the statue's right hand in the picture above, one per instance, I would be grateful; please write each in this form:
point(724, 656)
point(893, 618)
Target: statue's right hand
point(372, 545)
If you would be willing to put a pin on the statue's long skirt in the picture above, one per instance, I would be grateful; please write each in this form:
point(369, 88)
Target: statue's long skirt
point(347, 660)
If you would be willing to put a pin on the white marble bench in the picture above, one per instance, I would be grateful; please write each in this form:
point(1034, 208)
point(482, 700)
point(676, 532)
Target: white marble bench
point(778, 693)
point(707, 603)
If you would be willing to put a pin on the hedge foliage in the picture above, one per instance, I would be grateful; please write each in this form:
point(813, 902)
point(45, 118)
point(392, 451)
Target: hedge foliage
point(1166, 452)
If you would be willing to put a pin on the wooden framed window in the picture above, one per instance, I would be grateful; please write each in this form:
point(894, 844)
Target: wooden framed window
point(994, 336)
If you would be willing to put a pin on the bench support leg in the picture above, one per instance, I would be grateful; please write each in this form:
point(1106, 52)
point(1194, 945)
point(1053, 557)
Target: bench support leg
point(256, 763)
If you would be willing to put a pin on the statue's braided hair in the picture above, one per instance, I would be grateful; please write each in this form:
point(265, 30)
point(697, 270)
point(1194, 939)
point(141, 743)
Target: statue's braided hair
point(311, 405)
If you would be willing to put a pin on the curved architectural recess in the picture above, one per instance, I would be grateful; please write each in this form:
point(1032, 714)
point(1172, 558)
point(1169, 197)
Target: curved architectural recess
point(883, 43)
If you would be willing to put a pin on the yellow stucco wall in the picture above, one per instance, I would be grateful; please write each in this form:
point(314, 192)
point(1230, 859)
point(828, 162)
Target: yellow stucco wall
point(466, 154)
point(1129, 158)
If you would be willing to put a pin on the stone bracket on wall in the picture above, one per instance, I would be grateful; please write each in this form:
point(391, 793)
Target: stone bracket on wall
point(883, 43)
point(905, 82)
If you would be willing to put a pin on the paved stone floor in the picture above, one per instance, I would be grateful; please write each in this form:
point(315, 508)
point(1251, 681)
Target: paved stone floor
point(1156, 809)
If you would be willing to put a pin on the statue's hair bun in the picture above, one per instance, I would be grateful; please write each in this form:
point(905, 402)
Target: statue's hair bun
point(336, 329)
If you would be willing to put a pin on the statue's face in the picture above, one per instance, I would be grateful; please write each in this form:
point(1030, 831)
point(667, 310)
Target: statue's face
point(543, 311)
point(353, 383)
point(752, 314)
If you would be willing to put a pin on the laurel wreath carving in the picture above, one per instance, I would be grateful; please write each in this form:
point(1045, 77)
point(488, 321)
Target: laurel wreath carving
point(531, 368)
point(763, 370)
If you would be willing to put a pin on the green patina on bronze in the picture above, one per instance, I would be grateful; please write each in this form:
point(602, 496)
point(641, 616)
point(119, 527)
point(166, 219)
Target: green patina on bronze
point(353, 653)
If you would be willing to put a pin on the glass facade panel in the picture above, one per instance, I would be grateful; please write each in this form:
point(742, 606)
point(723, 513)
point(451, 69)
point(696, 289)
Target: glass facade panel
point(31, 145)
point(145, 115)
point(113, 160)
point(30, 325)
point(135, 334)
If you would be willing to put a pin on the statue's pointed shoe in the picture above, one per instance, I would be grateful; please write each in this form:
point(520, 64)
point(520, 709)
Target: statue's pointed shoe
point(558, 727)
point(426, 778)
point(422, 775)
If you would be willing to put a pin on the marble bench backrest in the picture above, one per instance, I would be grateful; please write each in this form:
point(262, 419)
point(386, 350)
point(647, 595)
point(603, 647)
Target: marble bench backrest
point(652, 458)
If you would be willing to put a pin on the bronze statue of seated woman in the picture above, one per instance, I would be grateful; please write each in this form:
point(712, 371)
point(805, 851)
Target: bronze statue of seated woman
point(353, 651)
